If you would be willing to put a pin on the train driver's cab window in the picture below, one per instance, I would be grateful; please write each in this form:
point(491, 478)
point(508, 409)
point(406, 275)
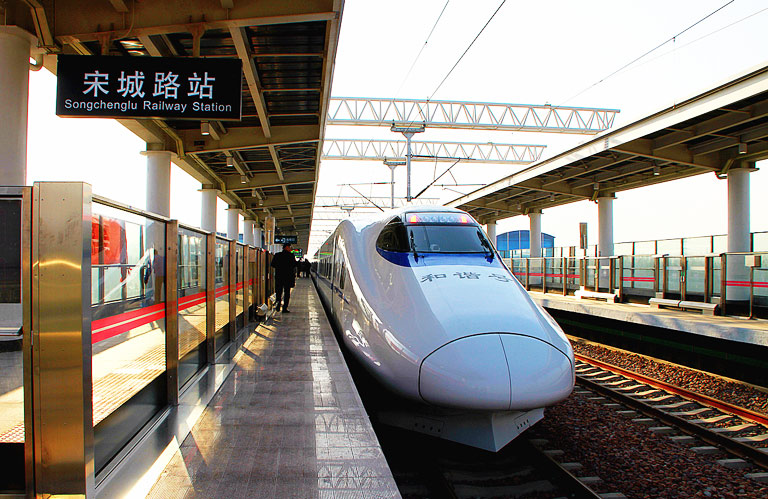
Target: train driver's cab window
point(434, 233)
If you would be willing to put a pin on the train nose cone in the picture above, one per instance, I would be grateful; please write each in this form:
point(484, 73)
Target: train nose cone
point(470, 373)
point(541, 374)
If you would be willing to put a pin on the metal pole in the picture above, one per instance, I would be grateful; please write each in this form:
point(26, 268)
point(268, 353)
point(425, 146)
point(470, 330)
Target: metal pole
point(392, 187)
point(408, 136)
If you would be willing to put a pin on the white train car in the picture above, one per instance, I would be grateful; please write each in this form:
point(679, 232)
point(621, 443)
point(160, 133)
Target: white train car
point(425, 303)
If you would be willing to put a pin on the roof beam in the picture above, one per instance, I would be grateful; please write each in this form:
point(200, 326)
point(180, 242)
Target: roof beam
point(713, 125)
point(232, 182)
point(248, 138)
point(679, 154)
point(279, 203)
point(243, 48)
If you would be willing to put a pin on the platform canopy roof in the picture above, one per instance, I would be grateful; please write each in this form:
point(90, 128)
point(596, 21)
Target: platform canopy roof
point(287, 50)
point(723, 128)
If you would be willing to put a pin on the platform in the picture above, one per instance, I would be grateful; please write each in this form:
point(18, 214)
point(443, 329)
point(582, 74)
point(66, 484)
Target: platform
point(287, 422)
point(736, 329)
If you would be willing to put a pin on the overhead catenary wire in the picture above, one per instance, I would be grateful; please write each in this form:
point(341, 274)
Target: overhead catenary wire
point(671, 39)
point(469, 47)
point(413, 65)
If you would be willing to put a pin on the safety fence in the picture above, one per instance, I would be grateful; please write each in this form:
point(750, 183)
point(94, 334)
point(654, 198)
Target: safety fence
point(113, 313)
point(736, 282)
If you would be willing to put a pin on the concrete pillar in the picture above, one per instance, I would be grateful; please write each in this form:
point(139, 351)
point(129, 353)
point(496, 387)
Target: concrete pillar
point(605, 225)
point(738, 231)
point(15, 45)
point(159, 182)
point(248, 231)
point(738, 210)
point(490, 230)
point(535, 233)
point(208, 211)
point(233, 222)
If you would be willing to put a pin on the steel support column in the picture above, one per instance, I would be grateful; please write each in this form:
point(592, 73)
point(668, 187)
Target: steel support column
point(15, 45)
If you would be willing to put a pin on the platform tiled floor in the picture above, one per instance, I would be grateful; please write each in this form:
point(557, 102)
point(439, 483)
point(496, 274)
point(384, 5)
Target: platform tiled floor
point(287, 423)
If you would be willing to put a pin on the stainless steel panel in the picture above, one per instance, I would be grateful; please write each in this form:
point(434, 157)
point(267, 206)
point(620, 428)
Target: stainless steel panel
point(61, 333)
point(172, 310)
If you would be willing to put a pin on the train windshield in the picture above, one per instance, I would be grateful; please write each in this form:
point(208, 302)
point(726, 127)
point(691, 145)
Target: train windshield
point(433, 238)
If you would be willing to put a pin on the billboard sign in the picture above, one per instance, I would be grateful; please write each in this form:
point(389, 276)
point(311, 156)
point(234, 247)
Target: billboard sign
point(149, 87)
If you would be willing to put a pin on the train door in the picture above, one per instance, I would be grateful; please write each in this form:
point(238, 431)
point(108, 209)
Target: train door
point(339, 279)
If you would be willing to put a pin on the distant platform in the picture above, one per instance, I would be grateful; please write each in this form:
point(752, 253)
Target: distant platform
point(742, 330)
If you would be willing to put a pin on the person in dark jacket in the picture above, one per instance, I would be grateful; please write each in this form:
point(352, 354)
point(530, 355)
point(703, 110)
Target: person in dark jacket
point(284, 264)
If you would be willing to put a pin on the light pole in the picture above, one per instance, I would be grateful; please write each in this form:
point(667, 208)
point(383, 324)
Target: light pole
point(392, 164)
point(408, 130)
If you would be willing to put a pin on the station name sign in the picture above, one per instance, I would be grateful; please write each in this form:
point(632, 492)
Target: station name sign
point(149, 87)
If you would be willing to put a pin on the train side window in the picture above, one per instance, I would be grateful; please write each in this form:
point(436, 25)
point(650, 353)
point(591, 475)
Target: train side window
point(393, 237)
point(342, 275)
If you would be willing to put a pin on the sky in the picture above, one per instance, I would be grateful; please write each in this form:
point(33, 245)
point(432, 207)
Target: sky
point(556, 52)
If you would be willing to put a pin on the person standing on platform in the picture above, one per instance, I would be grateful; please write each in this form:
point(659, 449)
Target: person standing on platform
point(284, 264)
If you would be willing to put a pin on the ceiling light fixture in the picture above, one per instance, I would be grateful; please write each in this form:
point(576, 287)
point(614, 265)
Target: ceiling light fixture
point(243, 179)
point(205, 128)
point(656, 171)
point(742, 148)
point(230, 161)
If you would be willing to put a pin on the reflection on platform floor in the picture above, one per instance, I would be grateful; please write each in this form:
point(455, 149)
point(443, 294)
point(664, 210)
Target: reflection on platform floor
point(287, 422)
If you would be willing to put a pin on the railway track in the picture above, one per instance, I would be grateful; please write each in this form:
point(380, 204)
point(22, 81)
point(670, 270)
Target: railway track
point(738, 431)
point(426, 467)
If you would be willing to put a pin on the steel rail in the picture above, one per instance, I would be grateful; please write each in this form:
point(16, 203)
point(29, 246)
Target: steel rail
point(742, 412)
point(565, 479)
point(756, 455)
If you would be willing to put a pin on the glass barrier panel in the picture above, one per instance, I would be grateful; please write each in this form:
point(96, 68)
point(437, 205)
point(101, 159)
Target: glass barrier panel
point(674, 272)
point(622, 249)
point(760, 282)
point(697, 245)
point(715, 282)
point(128, 326)
point(192, 306)
point(221, 274)
point(760, 241)
point(645, 248)
point(737, 283)
point(536, 272)
point(590, 273)
point(641, 274)
point(672, 247)
point(12, 475)
point(719, 244)
point(695, 277)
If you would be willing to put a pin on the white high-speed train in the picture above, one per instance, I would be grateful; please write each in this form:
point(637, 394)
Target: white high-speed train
point(424, 302)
